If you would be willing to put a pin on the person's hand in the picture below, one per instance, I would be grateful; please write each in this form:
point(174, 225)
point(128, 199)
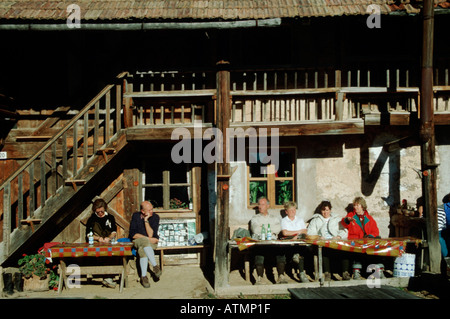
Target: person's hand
point(106, 240)
point(348, 220)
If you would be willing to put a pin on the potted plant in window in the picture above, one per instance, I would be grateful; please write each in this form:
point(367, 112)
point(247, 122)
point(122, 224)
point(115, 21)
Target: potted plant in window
point(36, 273)
point(284, 192)
point(175, 203)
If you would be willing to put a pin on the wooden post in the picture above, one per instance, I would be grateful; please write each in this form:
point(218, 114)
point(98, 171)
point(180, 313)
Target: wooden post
point(131, 192)
point(428, 160)
point(223, 120)
point(339, 100)
point(127, 112)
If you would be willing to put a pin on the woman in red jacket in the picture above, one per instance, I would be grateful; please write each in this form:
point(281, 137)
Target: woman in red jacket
point(359, 223)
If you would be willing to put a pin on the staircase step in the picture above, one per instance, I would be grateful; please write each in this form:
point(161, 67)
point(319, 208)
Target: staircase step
point(108, 150)
point(33, 138)
point(105, 151)
point(31, 222)
point(75, 182)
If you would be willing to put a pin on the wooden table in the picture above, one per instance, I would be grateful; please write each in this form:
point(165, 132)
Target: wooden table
point(392, 247)
point(98, 252)
point(275, 243)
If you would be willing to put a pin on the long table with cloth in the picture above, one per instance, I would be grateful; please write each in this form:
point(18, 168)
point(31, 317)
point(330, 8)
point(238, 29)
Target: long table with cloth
point(95, 259)
point(390, 247)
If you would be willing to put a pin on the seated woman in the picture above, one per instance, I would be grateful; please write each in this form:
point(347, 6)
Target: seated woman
point(360, 225)
point(326, 225)
point(101, 224)
point(293, 226)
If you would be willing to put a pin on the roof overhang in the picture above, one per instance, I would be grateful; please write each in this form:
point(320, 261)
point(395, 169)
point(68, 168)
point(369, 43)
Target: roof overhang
point(134, 26)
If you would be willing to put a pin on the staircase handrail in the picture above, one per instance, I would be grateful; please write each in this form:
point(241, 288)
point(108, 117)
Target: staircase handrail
point(61, 132)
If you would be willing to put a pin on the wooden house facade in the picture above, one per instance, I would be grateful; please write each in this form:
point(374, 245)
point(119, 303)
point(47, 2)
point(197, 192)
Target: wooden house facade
point(203, 106)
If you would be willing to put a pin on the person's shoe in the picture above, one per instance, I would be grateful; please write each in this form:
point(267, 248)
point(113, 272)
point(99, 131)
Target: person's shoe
point(346, 275)
point(18, 282)
point(157, 271)
point(8, 285)
point(282, 280)
point(144, 281)
point(356, 274)
point(303, 277)
point(381, 270)
point(108, 282)
point(357, 271)
point(259, 281)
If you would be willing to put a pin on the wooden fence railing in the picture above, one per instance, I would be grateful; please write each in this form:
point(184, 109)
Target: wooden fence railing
point(58, 162)
point(170, 98)
point(297, 95)
point(277, 95)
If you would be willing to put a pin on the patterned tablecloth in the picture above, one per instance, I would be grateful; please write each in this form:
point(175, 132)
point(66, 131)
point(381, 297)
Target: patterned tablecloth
point(58, 250)
point(381, 246)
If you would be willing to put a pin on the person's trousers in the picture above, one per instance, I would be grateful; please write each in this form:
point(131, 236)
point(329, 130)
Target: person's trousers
point(259, 264)
point(141, 243)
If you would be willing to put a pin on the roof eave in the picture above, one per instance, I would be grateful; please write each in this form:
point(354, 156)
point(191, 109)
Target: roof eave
point(133, 26)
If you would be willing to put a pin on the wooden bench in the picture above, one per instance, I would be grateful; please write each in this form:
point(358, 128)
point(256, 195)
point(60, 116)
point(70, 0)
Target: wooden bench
point(194, 248)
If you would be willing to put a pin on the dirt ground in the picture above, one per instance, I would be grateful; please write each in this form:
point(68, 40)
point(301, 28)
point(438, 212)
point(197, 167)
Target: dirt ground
point(189, 281)
point(176, 282)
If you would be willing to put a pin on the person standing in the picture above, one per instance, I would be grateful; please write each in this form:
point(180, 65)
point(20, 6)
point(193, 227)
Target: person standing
point(144, 235)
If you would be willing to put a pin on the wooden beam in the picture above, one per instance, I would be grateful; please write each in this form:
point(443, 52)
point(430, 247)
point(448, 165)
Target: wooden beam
point(223, 169)
point(306, 127)
point(428, 156)
point(160, 133)
point(131, 192)
point(52, 119)
point(171, 94)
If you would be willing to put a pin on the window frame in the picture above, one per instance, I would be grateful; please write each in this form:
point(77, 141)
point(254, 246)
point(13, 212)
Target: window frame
point(272, 180)
point(166, 185)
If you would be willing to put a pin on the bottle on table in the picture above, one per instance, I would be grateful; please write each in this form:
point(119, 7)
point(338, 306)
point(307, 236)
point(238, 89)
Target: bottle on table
point(263, 233)
point(91, 238)
point(269, 233)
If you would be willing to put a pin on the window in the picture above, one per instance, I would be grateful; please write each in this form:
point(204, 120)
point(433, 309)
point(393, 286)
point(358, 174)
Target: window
point(165, 184)
point(278, 186)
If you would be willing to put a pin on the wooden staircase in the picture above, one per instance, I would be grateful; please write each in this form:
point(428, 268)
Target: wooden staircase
point(43, 195)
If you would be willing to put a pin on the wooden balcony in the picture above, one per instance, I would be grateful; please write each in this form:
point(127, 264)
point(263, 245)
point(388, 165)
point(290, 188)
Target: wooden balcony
point(295, 101)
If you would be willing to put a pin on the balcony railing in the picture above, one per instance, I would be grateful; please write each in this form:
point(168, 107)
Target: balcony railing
point(279, 95)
